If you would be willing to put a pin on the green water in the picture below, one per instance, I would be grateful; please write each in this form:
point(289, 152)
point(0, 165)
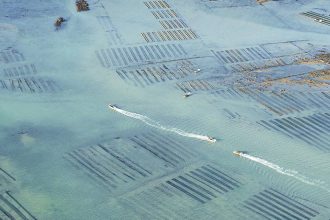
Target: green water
point(39, 131)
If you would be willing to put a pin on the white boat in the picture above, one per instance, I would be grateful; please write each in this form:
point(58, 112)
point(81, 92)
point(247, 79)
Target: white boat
point(211, 139)
point(187, 94)
point(238, 153)
point(113, 107)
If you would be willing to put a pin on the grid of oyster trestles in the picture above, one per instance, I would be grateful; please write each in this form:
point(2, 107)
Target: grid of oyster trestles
point(175, 28)
point(6, 179)
point(276, 103)
point(18, 75)
point(262, 56)
point(121, 164)
point(116, 57)
point(273, 204)
point(148, 75)
point(249, 59)
point(143, 65)
point(321, 18)
point(312, 129)
point(173, 196)
point(11, 208)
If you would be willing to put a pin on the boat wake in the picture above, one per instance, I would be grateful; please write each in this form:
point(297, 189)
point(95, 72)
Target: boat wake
point(156, 124)
point(287, 172)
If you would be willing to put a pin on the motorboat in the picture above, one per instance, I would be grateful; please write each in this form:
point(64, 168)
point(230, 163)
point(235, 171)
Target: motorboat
point(187, 94)
point(113, 107)
point(197, 70)
point(211, 139)
point(239, 153)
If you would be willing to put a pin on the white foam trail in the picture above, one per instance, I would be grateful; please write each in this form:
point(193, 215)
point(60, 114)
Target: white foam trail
point(287, 172)
point(156, 124)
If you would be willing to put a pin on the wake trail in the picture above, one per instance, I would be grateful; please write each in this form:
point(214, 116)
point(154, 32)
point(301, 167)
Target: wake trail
point(287, 172)
point(156, 124)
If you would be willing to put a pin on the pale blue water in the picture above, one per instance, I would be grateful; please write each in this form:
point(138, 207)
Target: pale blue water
point(65, 155)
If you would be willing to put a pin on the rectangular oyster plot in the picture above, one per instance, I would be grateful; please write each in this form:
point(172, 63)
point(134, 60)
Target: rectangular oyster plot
point(169, 35)
point(148, 75)
point(312, 129)
point(272, 204)
point(145, 157)
point(11, 56)
point(27, 69)
point(142, 54)
point(12, 209)
point(321, 18)
point(6, 179)
point(283, 103)
point(275, 102)
point(175, 27)
point(194, 187)
point(29, 85)
point(262, 56)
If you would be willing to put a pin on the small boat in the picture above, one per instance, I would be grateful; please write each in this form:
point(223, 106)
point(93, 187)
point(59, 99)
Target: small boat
point(238, 153)
point(211, 139)
point(113, 107)
point(197, 71)
point(187, 94)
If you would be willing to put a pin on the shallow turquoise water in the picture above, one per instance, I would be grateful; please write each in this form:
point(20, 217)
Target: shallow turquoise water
point(67, 156)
